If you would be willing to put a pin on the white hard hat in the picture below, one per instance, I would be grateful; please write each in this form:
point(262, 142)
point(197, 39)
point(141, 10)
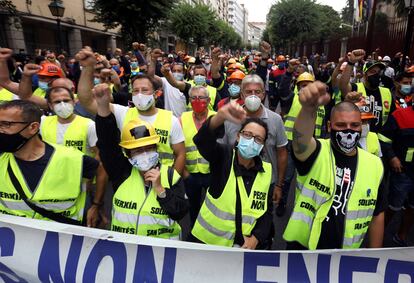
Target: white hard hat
point(386, 59)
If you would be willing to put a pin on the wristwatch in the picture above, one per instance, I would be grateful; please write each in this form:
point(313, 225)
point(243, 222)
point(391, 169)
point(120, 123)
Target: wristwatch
point(163, 194)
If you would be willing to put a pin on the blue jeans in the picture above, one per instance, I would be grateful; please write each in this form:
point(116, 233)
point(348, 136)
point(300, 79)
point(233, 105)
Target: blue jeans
point(401, 191)
point(195, 186)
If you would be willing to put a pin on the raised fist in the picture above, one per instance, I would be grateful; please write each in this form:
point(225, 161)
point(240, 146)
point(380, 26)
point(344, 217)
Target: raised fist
point(86, 57)
point(31, 69)
point(265, 47)
point(314, 95)
point(356, 55)
point(5, 53)
point(215, 54)
point(102, 94)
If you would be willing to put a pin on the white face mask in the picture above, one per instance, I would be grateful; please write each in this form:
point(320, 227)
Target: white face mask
point(365, 130)
point(144, 161)
point(63, 109)
point(252, 103)
point(143, 101)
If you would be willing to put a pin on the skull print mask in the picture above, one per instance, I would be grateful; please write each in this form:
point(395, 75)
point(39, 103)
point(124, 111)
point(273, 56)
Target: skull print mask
point(345, 141)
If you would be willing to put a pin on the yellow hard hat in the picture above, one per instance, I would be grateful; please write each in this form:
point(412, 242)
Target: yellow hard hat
point(231, 61)
point(305, 77)
point(138, 133)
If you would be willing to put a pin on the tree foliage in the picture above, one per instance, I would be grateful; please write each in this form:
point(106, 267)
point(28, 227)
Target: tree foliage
point(136, 17)
point(399, 6)
point(8, 7)
point(301, 20)
point(347, 13)
point(199, 24)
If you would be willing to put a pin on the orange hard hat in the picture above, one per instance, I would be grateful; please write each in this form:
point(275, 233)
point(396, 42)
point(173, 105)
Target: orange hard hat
point(365, 109)
point(50, 70)
point(410, 70)
point(236, 75)
point(280, 58)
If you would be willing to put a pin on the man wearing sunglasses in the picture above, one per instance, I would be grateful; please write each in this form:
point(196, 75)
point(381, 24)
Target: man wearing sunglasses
point(43, 181)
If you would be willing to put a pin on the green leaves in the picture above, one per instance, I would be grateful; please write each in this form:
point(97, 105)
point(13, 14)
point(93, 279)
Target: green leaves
point(137, 18)
point(301, 20)
point(200, 24)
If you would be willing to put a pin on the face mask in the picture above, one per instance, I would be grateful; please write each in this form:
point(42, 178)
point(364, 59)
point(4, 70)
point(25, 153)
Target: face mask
point(134, 65)
point(281, 66)
point(116, 69)
point(234, 90)
point(199, 80)
point(63, 109)
point(248, 148)
point(144, 161)
point(70, 66)
point(207, 61)
point(142, 101)
point(96, 81)
point(405, 89)
point(199, 105)
point(13, 142)
point(43, 85)
point(269, 66)
point(178, 76)
point(374, 80)
point(365, 130)
point(345, 141)
point(252, 103)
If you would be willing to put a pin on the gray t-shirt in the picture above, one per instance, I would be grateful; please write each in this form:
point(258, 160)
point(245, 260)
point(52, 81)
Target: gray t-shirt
point(276, 136)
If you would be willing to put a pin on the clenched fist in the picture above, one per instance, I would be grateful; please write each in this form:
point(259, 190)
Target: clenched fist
point(356, 55)
point(314, 95)
point(86, 57)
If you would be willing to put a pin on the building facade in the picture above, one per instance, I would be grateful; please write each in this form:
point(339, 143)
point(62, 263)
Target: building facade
point(238, 19)
point(255, 32)
point(35, 27)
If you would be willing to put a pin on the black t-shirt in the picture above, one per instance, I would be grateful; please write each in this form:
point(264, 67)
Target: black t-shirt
point(33, 170)
point(333, 226)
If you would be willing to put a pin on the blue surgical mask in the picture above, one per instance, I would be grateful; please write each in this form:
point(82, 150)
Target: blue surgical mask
point(43, 85)
point(406, 89)
point(234, 90)
point(134, 65)
point(178, 76)
point(248, 148)
point(199, 80)
point(96, 81)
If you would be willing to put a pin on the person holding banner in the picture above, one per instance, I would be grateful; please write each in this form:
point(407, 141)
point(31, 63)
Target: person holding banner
point(237, 210)
point(149, 198)
point(39, 180)
point(338, 195)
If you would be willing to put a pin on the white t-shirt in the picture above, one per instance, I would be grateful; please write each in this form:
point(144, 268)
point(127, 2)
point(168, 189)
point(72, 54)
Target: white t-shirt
point(174, 99)
point(176, 134)
point(61, 130)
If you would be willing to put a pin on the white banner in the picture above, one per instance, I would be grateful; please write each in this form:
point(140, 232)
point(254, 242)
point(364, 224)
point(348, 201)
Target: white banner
point(40, 251)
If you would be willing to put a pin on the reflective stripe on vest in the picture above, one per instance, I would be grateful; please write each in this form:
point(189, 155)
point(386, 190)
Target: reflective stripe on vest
point(314, 198)
point(138, 212)
point(386, 100)
point(215, 223)
point(76, 134)
point(195, 162)
point(58, 190)
point(162, 126)
point(5, 95)
point(212, 93)
point(290, 118)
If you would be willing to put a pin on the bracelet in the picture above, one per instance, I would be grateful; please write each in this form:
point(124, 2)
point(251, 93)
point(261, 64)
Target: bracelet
point(98, 204)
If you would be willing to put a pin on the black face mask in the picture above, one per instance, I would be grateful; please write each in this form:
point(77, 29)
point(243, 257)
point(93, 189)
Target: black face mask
point(345, 141)
point(374, 80)
point(13, 142)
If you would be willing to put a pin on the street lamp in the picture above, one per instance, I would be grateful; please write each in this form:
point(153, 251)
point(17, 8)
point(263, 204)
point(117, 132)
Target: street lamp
point(57, 9)
point(409, 4)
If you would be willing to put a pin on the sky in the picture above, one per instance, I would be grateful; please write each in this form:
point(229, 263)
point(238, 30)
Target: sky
point(258, 9)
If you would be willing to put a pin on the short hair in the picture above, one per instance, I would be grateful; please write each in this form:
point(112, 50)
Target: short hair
point(252, 79)
point(344, 106)
point(399, 77)
point(258, 121)
point(57, 89)
point(200, 67)
point(198, 87)
point(142, 76)
point(30, 111)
